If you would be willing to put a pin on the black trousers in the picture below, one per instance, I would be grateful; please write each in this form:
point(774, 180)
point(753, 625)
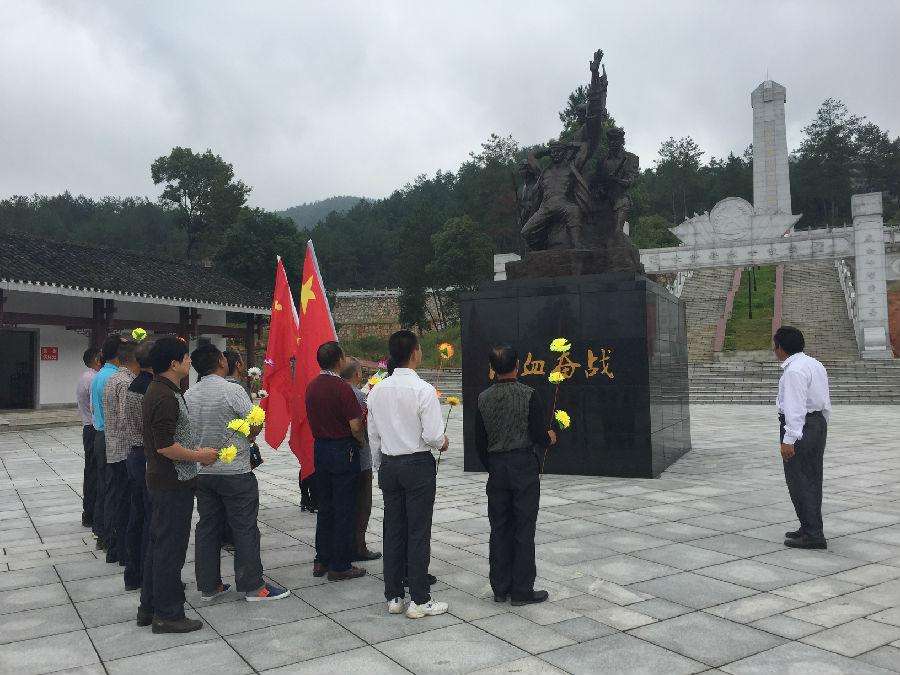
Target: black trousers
point(137, 535)
point(803, 474)
point(99, 522)
point(514, 493)
point(115, 511)
point(89, 486)
point(337, 470)
point(224, 500)
point(308, 493)
point(408, 484)
point(170, 531)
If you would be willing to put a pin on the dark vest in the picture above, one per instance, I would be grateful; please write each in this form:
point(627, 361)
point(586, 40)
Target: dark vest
point(504, 408)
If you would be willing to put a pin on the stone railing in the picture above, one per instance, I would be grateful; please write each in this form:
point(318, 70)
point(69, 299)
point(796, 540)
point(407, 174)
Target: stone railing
point(845, 275)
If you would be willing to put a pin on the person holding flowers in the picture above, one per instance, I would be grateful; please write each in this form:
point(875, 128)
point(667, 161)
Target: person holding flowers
point(511, 425)
point(222, 416)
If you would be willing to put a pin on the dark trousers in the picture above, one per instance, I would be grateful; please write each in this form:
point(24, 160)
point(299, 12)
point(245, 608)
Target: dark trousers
point(337, 470)
point(89, 486)
point(514, 493)
point(363, 509)
point(308, 492)
point(408, 484)
point(137, 536)
point(224, 500)
point(98, 522)
point(803, 474)
point(170, 530)
point(115, 511)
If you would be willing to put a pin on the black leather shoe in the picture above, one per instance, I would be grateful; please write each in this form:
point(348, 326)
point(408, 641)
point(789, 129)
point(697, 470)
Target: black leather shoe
point(536, 597)
point(796, 534)
point(182, 625)
point(501, 597)
point(319, 570)
point(366, 556)
point(144, 618)
point(806, 542)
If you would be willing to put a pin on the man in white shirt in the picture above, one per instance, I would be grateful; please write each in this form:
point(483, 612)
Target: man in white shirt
point(405, 425)
point(83, 399)
point(804, 406)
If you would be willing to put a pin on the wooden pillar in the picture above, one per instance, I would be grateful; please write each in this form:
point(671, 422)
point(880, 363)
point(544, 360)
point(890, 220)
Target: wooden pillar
point(109, 311)
point(250, 342)
point(195, 323)
point(97, 331)
point(184, 332)
point(2, 302)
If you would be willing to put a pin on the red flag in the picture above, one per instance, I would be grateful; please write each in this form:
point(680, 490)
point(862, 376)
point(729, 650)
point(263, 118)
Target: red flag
point(277, 377)
point(316, 327)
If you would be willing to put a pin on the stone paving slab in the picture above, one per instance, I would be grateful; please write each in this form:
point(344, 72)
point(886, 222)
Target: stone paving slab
point(683, 574)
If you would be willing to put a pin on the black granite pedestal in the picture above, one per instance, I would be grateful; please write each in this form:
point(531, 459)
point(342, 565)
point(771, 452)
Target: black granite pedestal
point(628, 394)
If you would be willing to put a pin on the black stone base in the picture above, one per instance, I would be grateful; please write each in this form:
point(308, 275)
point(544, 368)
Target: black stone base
point(628, 397)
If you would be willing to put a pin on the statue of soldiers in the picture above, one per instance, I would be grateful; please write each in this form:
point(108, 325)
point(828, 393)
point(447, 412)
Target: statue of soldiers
point(617, 173)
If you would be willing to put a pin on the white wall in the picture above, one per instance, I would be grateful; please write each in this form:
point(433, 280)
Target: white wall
point(56, 380)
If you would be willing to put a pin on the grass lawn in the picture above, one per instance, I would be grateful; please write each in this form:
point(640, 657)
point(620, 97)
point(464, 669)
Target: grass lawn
point(374, 348)
point(743, 333)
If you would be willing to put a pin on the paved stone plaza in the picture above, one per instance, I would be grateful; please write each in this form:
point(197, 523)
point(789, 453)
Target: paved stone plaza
point(683, 574)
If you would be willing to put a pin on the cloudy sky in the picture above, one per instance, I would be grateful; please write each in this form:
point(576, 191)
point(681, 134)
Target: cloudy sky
point(310, 99)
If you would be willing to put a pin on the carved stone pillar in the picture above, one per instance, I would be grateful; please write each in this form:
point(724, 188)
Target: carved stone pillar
point(871, 288)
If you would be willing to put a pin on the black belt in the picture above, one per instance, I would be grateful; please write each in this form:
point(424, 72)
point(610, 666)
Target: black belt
point(405, 456)
point(814, 413)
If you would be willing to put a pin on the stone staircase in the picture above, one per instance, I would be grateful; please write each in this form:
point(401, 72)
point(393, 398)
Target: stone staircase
point(813, 301)
point(448, 382)
point(746, 382)
point(704, 298)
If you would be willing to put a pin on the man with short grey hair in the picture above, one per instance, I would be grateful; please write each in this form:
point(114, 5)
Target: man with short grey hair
point(352, 373)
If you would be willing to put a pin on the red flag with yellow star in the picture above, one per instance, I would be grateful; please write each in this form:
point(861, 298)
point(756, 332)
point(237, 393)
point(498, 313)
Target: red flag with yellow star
point(277, 378)
point(316, 327)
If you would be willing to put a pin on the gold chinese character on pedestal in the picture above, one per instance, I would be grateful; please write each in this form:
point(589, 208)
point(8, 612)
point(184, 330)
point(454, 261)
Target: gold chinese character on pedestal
point(533, 366)
point(566, 366)
point(603, 369)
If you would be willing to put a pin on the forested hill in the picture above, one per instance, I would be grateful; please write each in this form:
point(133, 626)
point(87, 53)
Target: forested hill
point(307, 216)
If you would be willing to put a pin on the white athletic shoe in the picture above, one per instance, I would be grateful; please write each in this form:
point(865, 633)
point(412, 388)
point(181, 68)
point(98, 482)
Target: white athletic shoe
point(396, 606)
point(430, 608)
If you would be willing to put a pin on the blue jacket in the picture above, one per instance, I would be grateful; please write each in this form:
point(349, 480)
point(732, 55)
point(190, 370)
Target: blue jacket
point(97, 385)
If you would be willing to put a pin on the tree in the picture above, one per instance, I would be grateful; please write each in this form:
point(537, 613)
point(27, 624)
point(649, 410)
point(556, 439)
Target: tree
point(462, 257)
point(823, 172)
point(652, 231)
point(572, 114)
point(251, 244)
point(203, 190)
point(679, 167)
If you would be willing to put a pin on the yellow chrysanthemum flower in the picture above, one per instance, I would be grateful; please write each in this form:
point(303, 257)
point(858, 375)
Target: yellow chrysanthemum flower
point(374, 380)
point(256, 417)
point(556, 377)
point(227, 455)
point(560, 344)
point(453, 401)
point(240, 426)
point(138, 335)
point(447, 350)
point(563, 419)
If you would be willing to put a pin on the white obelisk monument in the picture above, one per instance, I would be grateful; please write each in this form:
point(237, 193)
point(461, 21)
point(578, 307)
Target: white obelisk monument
point(771, 180)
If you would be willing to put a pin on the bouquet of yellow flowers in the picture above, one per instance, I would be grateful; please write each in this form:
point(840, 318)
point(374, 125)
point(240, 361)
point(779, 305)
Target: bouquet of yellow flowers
point(255, 418)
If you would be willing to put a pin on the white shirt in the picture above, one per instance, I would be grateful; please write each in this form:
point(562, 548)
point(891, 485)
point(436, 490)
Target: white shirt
point(404, 416)
point(802, 389)
point(83, 396)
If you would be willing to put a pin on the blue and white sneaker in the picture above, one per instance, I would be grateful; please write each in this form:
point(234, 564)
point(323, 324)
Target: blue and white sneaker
point(268, 592)
point(221, 590)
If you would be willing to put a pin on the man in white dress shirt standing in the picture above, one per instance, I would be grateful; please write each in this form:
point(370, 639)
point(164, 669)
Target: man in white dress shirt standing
point(804, 406)
point(405, 425)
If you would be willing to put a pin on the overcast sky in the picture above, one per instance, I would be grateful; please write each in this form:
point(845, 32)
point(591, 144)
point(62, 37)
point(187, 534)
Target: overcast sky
point(311, 99)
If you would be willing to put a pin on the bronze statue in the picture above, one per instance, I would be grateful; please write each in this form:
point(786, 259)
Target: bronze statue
point(572, 211)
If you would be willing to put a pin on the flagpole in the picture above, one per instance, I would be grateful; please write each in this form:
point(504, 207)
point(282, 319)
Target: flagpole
point(315, 261)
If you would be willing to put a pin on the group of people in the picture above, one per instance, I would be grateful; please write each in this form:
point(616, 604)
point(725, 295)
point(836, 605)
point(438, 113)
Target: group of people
point(398, 427)
point(150, 448)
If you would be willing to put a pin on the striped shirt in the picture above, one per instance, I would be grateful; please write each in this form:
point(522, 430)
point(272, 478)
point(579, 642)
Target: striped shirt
point(114, 415)
point(212, 403)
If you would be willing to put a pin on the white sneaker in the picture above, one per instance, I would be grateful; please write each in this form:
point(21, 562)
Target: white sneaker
point(430, 608)
point(396, 606)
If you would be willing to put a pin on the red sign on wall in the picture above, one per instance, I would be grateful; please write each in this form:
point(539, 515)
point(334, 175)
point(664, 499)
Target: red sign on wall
point(49, 353)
